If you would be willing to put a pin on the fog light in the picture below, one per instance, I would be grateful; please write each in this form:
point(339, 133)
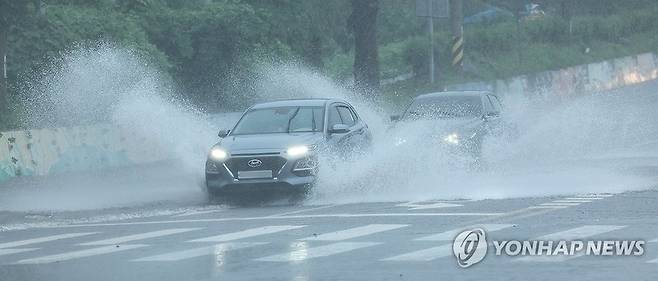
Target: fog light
point(452, 138)
point(306, 164)
point(211, 167)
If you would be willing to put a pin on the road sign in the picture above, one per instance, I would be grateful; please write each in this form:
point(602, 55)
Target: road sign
point(432, 8)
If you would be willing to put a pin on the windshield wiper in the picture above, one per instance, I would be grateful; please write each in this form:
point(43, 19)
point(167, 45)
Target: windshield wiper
point(292, 117)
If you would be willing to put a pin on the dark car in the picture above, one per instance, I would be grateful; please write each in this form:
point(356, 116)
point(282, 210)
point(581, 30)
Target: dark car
point(274, 146)
point(465, 117)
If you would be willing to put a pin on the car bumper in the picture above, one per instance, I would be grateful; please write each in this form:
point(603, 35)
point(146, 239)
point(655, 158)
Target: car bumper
point(222, 180)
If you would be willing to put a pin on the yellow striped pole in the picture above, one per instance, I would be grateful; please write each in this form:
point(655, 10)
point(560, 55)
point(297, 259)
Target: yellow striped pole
point(458, 51)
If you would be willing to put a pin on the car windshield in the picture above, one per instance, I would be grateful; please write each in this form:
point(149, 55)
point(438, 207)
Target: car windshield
point(288, 119)
point(444, 107)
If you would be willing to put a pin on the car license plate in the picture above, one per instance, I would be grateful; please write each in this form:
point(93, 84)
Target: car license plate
point(255, 174)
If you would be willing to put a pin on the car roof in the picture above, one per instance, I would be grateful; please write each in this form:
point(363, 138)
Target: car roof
point(297, 102)
point(454, 94)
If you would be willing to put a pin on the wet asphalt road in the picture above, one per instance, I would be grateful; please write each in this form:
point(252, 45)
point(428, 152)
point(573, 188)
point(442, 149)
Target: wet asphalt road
point(362, 241)
point(373, 241)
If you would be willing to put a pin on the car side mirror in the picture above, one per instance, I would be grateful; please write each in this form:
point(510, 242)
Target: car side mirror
point(223, 133)
point(339, 129)
point(395, 118)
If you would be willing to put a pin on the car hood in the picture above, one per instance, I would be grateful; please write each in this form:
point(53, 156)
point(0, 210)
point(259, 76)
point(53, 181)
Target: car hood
point(444, 125)
point(268, 142)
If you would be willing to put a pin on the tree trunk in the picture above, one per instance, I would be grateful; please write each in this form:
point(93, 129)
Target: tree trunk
point(363, 23)
point(315, 53)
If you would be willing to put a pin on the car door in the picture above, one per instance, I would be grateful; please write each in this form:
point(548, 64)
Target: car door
point(339, 113)
point(361, 135)
point(492, 115)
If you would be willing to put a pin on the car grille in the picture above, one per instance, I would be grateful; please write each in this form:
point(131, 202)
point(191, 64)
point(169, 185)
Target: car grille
point(274, 163)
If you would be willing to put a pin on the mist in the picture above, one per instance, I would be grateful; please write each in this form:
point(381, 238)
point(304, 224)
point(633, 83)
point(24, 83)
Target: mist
point(586, 144)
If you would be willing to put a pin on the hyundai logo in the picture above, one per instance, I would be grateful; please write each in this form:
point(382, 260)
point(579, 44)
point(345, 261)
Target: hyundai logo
point(255, 163)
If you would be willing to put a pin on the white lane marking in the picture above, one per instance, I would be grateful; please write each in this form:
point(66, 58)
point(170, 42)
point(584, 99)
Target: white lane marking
point(192, 213)
point(79, 254)
point(302, 211)
point(43, 239)
point(418, 205)
point(302, 252)
point(451, 234)
point(15, 251)
point(569, 235)
point(247, 233)
point(595, 195)
point(584, 198)
point(215, 250)
point(278, 218)
point(141, 236)
point(572, 201)
point(559, 204)
point(424, 255)
point(441, 251)
point(548, 207)
point(653, 261)
point(580, 232)
point(355, 232)
point(654, 241)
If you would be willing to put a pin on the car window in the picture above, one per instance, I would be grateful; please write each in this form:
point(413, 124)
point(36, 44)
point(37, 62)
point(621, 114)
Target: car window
point(346, 116)
point(286, 119)
point(334, 117)
point(494, 103)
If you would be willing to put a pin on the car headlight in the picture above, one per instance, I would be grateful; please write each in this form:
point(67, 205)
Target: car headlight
point(298, 150)
point(452, 138)
point(218, 154)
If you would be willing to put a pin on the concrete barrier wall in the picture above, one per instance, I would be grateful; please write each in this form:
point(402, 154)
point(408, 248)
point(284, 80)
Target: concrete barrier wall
point(579, 80)
point(49, 151)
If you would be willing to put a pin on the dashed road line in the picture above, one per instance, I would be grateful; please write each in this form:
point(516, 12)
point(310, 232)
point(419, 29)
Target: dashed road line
point(580, 232)
point(215, 250)
point(569, 235)
point(4, 252)
point(193, 213)
point(441, 251)
point(548, 207)
point(354, 232)
point(43, 239)
point(140, 236)
point(418, 205)
point(79, 254)
point(303, 210)
point(428, 254)
point(559, 204)
point(450, 234)
point(247, 233)
point(572, 201)
point(302, 252)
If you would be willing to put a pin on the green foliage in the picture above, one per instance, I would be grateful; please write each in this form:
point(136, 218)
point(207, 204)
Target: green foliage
point(210, 46)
